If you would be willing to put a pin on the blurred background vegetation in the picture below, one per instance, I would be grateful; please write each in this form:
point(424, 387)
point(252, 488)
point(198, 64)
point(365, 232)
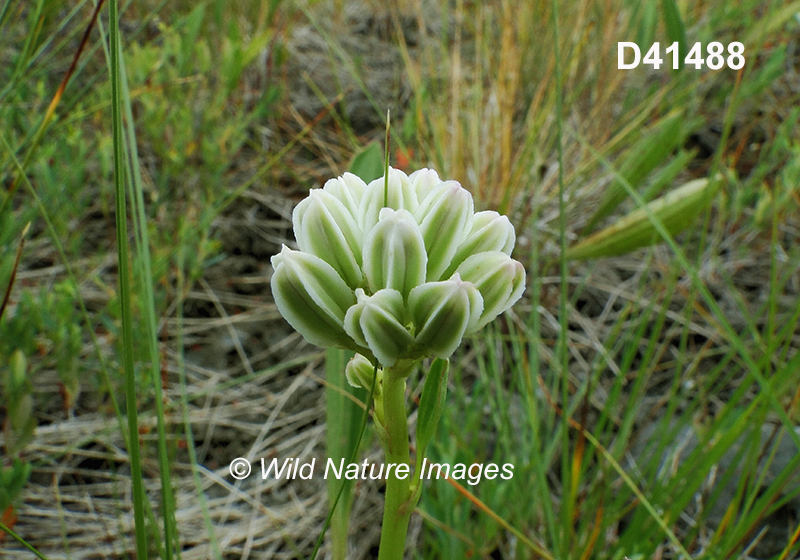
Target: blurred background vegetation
point(647, 399)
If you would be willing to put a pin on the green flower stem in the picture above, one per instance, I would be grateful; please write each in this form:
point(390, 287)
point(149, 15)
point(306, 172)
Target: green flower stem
point(399, 496)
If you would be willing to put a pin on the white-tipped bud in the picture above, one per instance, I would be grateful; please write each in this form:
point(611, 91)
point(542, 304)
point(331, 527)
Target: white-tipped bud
point(490, 232)
point(312, 297)
point(394, 253)
point(500, 280)
point(324, 227)
point(442, 312)
point(360, 373)
point(349, 189)
point(445, 218)
point(423, 181)
point(378, 322)
point(396, 270)
point(401, 195)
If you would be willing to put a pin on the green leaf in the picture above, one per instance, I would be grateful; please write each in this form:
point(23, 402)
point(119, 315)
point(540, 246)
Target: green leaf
point(676, 210)
point(431, 403)
point(368, 163)
point(343, 427)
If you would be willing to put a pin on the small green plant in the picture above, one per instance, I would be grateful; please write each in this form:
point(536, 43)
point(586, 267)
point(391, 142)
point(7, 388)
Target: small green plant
point(18, 429)
point(19, 424)
point(42, 327)
point(45, 326)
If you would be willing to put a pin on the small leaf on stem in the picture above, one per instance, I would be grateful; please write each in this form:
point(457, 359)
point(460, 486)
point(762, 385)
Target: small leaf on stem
point(431, 403)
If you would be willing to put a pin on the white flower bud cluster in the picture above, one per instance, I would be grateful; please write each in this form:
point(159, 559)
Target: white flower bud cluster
point(397, 274)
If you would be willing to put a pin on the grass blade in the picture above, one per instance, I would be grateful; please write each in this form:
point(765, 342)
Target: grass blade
point(356, 443)
point(51, 109)
point(538, 548)
point(143, 261)
point(20, 540)
point(125, 285)
point(14, 269)
point(639, 161)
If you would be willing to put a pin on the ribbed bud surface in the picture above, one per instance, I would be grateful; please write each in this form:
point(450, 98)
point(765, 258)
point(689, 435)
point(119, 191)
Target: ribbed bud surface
point(396, 275)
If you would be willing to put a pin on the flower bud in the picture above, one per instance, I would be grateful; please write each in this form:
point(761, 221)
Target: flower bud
point(378, 322)
point(312, 297)
point(401, 196)
point(442, 312)
point(360, 374)
point(396, 270)
point(324, 227)
point(444, 218)
point(490, 232)
point(348, 189)
point(394, 253)
point(423, 181)
point(500, 280)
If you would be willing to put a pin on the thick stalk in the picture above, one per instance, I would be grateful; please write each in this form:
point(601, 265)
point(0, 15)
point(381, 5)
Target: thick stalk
point(397, 508)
